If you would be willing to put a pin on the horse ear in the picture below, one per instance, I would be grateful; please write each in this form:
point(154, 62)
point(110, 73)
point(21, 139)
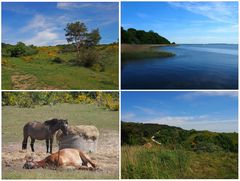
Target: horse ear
point(29, 157)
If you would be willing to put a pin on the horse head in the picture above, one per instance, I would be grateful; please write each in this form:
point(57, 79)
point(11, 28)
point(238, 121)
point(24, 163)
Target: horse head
point(29, 164)
point(64, 126)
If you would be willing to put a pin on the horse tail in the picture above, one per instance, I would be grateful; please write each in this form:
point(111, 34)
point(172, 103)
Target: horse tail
point(86, 160)
point(25, 136)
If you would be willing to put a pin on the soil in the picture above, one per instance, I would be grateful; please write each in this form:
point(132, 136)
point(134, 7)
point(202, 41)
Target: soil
point(26, 82)
point(106, 157)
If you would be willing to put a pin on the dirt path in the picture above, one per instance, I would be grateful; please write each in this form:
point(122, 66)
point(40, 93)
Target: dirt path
point(28, 81)
point(106, 157)
point(152, 138)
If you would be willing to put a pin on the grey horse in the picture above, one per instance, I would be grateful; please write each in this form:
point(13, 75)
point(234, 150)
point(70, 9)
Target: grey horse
point(43, 131)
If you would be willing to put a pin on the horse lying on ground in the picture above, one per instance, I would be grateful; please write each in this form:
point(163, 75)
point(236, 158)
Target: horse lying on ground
point(43, 131)
point(65, 158)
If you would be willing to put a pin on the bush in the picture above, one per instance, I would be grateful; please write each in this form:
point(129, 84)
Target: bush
point(18, 50)
point(57, 60)
point(89, 57)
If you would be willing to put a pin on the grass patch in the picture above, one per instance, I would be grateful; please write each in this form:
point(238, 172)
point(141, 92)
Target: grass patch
point(14, 118)
point(158, 163)
point(131, 52)
point(55, 174)
point(51, 75)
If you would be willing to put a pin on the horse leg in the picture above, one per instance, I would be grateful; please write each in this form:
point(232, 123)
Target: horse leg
point(47, 144)
point(51, 142)
point(24, 142)
point(25, 137)
point(32, 144)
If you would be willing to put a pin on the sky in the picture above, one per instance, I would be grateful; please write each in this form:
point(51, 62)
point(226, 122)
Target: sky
point(206, 110)
point(43, 23)
point(184, 22)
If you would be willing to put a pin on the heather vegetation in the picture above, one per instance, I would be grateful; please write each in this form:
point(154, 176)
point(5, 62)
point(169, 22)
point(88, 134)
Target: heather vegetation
point(177, 153)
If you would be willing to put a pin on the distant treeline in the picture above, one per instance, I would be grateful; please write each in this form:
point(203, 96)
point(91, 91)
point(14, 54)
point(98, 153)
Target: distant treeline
point(172, 137)
point(107, 100)
point(133, 36)
point(18, 50)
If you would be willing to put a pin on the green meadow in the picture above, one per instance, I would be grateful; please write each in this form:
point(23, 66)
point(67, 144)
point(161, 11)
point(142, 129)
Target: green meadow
point(52, 68)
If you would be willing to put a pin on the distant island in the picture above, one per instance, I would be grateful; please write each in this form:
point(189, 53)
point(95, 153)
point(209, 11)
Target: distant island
point(139, 44)
point(176, 152)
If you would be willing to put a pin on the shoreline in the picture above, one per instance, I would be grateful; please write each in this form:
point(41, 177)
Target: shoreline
point(143, 51)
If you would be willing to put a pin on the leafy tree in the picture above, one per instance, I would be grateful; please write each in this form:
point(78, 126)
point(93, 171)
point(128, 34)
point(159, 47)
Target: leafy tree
point(134, 36)
point(93, 38)
point(18, 50)
point(77, 34)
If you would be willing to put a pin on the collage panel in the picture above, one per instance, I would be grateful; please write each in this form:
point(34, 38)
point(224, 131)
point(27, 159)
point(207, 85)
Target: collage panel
point(60, 45)
point(60, 135)
point(179, 134)
point(186, 45)
point(87, 96)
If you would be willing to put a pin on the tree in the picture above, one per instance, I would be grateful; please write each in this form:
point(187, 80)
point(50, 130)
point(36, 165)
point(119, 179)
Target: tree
point(18, 50)
point(77, 34)
point(93, 38)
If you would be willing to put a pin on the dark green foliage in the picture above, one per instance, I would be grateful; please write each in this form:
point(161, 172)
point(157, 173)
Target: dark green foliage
point(172, 137)
point(67, 48)
point(18, 50)
point(107, 100)
point(133, 36)
point(77, 33)
point(57, 60)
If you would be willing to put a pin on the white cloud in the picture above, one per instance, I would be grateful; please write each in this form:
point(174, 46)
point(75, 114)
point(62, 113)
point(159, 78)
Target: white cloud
point(218, 11)
point(104, 6)
point(72, 5)
point(38, 22)
point(193, 95)
point(202, 122)
point(45, 37)
point(142, 15)
point(146, 110)
point(128, 116)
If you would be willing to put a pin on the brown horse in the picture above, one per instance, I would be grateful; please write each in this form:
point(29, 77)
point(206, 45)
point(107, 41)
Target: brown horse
point(65, 158)
point(43, 131)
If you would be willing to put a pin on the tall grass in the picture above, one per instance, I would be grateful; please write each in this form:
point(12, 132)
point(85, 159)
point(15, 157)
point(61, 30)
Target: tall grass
point(131, 52)
point(143, 163)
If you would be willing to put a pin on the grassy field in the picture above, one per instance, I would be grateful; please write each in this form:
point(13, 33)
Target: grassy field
point(136, 52)
point(157, 162)
point(40, 72)
point(14, 119)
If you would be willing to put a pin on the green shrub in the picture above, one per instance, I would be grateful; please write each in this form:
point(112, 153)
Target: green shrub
point(89, 57)
point(57, 60)
point(18, 50)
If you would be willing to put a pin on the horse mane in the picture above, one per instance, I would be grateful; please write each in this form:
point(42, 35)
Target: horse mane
point(52, 122)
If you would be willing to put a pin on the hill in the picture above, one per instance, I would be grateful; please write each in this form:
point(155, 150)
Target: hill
point(170, 136)
point(133, 36)
point(179, 154)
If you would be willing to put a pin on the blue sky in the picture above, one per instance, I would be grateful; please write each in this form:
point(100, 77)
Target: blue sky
point(185, 22)
point(205, 110)
point(43, 23)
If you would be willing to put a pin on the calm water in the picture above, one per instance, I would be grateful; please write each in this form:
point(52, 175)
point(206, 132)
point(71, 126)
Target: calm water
point(193, 67)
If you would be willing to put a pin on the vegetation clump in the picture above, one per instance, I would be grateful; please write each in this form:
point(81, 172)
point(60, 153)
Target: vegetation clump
point(84, 42)
point(133, 36)
point(105, 100)
point(18, 50)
